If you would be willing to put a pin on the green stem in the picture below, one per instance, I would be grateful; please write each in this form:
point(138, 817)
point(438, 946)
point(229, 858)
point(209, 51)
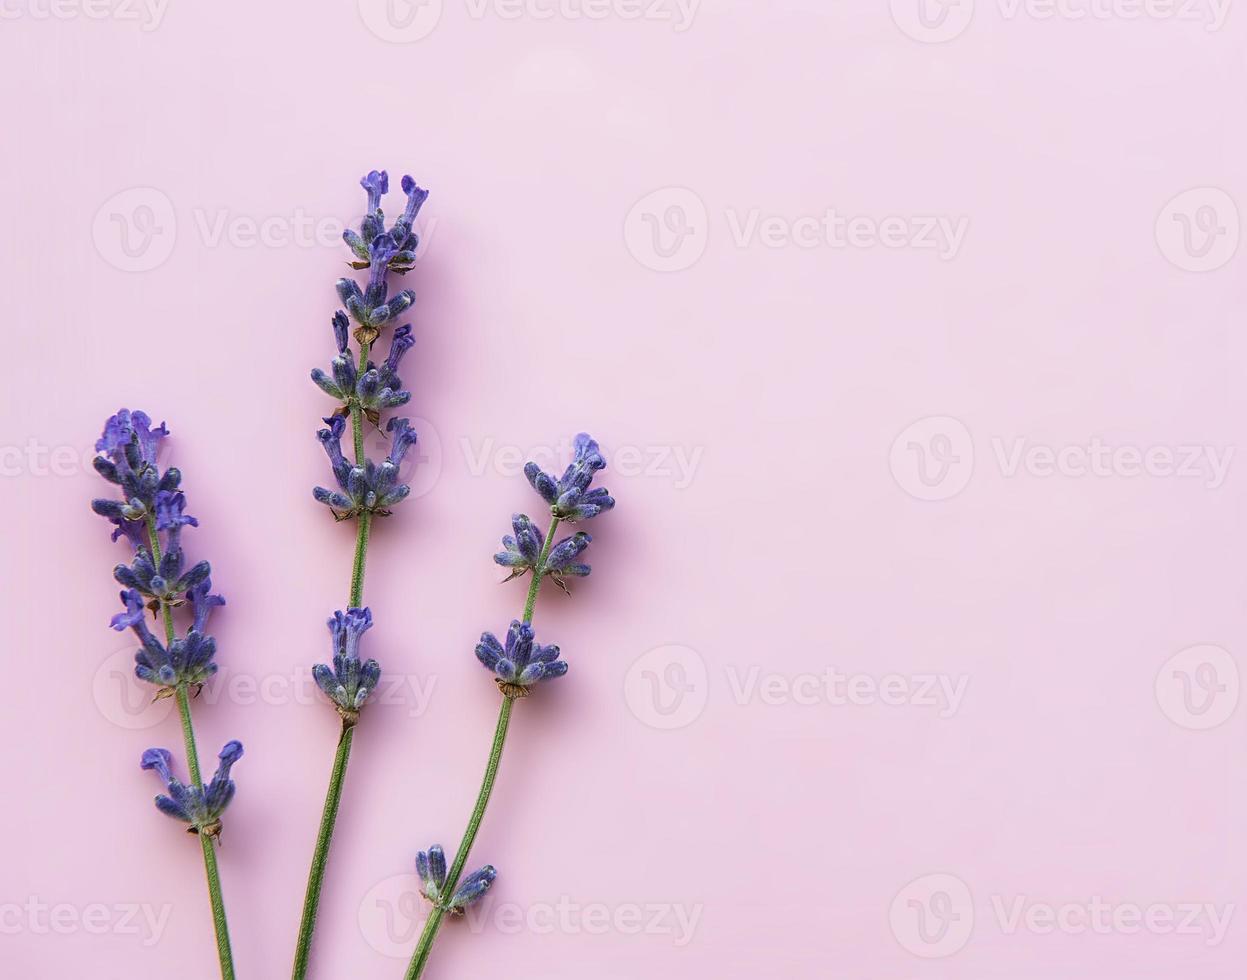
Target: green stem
point(224, 952)
point(333, 797)
point(434, 922)
point(311, 900)
point(538, 574)
point(361, 556)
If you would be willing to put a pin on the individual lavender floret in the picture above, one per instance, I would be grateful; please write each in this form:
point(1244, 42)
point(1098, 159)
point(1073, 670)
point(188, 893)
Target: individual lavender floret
point(570, 498)
point(350, 681)
point(368, 488)
point(522, 551)
point(521, 663)
point(199, 807)
point(129, 446)
point(562, 559)
point(472, 889)
point(431, 867)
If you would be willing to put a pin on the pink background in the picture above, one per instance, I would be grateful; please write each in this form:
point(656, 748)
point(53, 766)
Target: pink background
point(688, 801)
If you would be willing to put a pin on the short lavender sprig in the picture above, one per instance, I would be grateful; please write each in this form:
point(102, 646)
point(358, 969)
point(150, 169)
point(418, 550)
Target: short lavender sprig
point(150, 515)
point(365, 489)
point(518, 665)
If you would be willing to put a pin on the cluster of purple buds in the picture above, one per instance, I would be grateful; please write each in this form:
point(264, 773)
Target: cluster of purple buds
point(431, 867)
point(151, 515)
point(199, 806)
point(522, 553)
point(378, 387)
point(570, 498)
point(349, 682)
point(381, 251)
point(521, 662)
point(369, 487)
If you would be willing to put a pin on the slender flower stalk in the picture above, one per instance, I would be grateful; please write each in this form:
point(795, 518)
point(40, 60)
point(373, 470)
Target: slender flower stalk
point(365, 489)
point(151, 515)
point(517, 665)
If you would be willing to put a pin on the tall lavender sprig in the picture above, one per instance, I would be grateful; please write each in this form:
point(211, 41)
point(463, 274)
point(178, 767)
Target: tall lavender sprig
point(518, 664)
point(150, 513)
point(365, 488)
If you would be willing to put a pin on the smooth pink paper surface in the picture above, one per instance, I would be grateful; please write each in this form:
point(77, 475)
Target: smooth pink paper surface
point(912, 333)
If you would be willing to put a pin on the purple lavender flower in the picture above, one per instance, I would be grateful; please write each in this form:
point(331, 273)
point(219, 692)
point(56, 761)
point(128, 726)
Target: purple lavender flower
point(570, 498)
point(522, 551)
point(350, 681)
point(431, 867)
point(472, 889)
point(201, 807)
point(370, 488)
point(522, 662)
point(130, 446)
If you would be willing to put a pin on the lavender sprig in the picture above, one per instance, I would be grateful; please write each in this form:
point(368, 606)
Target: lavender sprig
point(365, 488)
point(150, 515)
point(518, 665)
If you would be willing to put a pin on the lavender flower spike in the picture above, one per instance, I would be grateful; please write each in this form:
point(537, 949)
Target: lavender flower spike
point(431, 867)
